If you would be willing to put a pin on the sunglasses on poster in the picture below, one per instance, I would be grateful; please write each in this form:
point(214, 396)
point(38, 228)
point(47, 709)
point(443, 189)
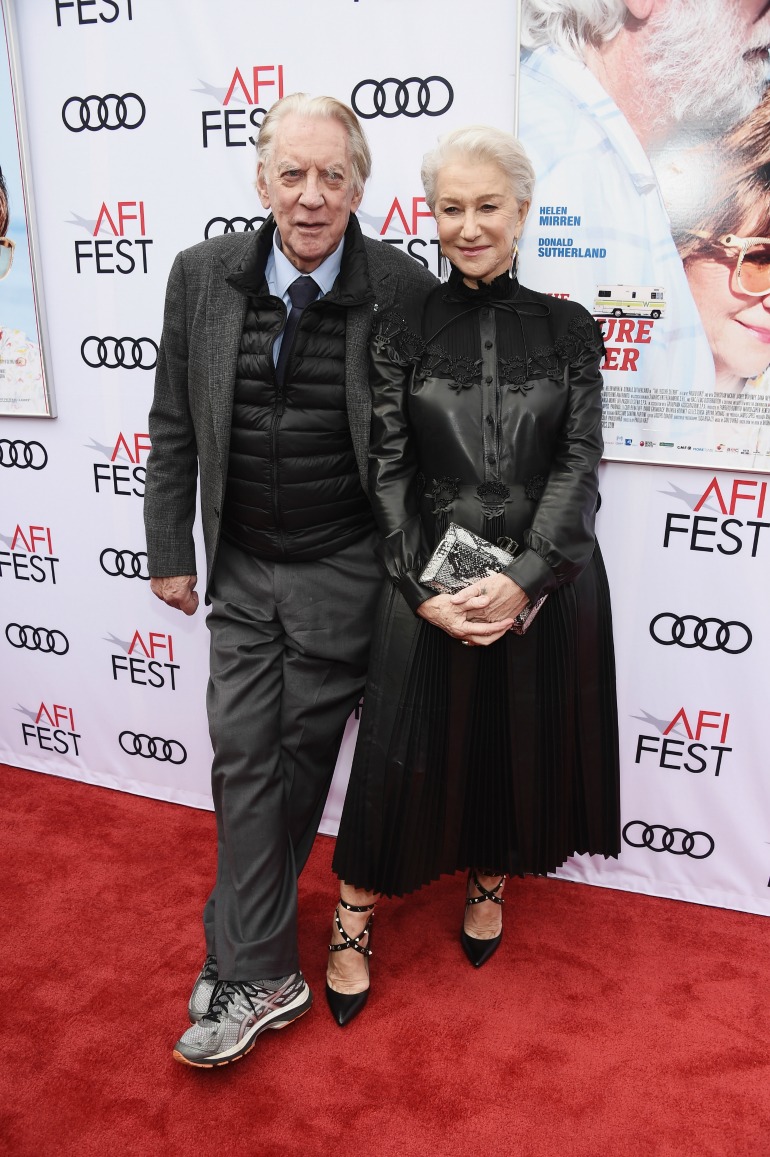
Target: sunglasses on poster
point(753, 267)
point(6, 256)
point(751, 256)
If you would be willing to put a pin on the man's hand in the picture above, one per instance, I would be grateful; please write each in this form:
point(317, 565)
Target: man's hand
point(178, 592)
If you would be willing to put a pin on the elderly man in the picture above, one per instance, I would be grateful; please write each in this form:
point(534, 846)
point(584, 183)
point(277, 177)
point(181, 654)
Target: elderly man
point(262, 387)
point(604, 85)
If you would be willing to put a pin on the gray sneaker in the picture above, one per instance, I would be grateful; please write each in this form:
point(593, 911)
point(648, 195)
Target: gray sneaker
point(239, 1012)
point(203, 990)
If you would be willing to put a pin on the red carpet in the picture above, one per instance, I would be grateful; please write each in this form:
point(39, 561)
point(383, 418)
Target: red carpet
point(607, 1024)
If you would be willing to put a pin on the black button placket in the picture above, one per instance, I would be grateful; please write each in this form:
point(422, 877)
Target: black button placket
point(490, 419)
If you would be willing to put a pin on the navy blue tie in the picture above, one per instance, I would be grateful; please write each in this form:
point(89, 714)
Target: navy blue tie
point(302, 292)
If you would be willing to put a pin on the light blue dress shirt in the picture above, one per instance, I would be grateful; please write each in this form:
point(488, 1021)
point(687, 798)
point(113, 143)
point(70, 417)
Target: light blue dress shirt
point(280, 274)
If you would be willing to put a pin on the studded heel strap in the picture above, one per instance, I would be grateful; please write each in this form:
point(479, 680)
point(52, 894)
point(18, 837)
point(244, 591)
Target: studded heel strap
point(486, 894)
point(353, 942)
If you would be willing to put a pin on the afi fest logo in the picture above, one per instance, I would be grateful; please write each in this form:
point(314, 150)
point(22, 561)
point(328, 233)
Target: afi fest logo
point(147, 660)
point(92, 11)
point(735, 522)
point(698, 746)
point(244, 102)
point(30, 556)
point(118, 252)
point(121, 478)
point(52, 729)
point(407, 218)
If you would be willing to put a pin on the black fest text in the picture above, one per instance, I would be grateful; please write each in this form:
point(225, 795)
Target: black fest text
point(148, 664)
point(126, 255)
point(695, 756)
point(53, 730)
point(406, 215)
point(25, 561)
point(118, 478)
point(726, 534)
point(230, 125)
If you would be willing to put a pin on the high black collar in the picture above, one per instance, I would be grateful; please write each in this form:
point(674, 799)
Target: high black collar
point(503, 288)
point(352, 287)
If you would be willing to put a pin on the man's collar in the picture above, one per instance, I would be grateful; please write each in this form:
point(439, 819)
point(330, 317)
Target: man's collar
point(285, 273)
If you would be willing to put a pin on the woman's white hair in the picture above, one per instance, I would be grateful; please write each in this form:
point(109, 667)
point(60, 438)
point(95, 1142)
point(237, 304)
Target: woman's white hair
point(480, 143)
point(571, 25)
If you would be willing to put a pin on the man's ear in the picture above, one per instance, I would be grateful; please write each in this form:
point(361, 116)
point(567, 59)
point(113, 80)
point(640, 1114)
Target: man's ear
point(640, 9)
point(262, 190)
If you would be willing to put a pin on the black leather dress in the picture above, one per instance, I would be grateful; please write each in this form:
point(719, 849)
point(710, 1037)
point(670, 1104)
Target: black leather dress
point(487, 413)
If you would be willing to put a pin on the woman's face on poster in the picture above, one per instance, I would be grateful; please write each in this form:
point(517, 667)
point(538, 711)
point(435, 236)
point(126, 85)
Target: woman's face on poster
point(737, 324)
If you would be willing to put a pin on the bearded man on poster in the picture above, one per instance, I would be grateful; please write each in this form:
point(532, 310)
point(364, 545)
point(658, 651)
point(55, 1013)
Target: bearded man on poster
point(605, 86)
point(262, 387)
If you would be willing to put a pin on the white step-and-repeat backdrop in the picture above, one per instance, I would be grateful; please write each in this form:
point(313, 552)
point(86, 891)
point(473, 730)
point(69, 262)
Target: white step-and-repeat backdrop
point(142, 118)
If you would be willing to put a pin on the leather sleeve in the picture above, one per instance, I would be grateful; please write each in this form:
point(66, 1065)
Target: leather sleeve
point(560, 541)
point(172, 465)
point(393, 473)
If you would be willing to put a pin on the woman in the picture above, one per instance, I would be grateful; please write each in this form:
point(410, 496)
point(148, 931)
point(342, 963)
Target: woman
point(726, 254)
point(479, 748)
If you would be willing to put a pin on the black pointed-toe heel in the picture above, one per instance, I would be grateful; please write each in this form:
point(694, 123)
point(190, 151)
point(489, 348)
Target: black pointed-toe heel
point(344, 1006)
point(479, 951)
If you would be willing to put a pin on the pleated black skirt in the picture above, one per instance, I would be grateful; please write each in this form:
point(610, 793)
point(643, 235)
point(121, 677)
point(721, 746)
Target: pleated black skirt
point(502, 758)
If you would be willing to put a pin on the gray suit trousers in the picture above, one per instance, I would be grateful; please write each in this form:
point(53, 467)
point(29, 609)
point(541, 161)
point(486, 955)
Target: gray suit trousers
point(289, 648)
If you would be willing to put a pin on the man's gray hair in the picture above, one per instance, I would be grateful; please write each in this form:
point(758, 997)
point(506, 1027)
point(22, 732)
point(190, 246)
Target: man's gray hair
point(320, 107)
point(571, 25)
point(487, 145)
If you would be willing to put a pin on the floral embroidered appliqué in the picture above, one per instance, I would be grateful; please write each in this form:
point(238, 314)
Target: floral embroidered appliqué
point(444, 492)
point(393, 336)
point(534, 487)
point(492, 496)
point(581, 342)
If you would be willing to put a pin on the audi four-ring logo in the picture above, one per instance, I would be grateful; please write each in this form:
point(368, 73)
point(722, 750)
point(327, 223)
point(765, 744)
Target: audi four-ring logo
point(709, 634)
point(659, 838)
point(37, 639)
point(219, 225)
point(152, 747)
point(103, 112)
point(24, 455)
point(412, 97)
point(112, 353)
point(123, 562)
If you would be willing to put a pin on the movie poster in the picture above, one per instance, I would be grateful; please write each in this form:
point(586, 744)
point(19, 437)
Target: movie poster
point(652, 208)
point(24, 389)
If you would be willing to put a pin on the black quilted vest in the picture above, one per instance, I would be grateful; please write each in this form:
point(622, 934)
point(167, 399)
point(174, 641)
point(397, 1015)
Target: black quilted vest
point(293, 487)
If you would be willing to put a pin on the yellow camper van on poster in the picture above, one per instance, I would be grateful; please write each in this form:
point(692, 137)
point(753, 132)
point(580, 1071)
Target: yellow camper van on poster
point(629, 301)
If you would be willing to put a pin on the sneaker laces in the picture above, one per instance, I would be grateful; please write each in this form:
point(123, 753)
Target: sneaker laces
point(209, 970)
point(229, 992)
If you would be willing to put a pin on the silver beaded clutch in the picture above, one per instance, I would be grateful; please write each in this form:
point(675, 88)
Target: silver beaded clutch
point(462, 557)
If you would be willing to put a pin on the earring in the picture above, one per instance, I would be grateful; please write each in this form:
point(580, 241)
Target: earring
point(513, 271)
point(443, 266)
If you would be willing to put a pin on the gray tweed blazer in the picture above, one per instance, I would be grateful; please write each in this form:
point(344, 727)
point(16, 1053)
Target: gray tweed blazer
point(191, 413)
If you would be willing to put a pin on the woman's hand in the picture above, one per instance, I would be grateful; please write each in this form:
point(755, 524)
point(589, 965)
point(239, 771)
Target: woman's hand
point(464, 622)
point(491, 599)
